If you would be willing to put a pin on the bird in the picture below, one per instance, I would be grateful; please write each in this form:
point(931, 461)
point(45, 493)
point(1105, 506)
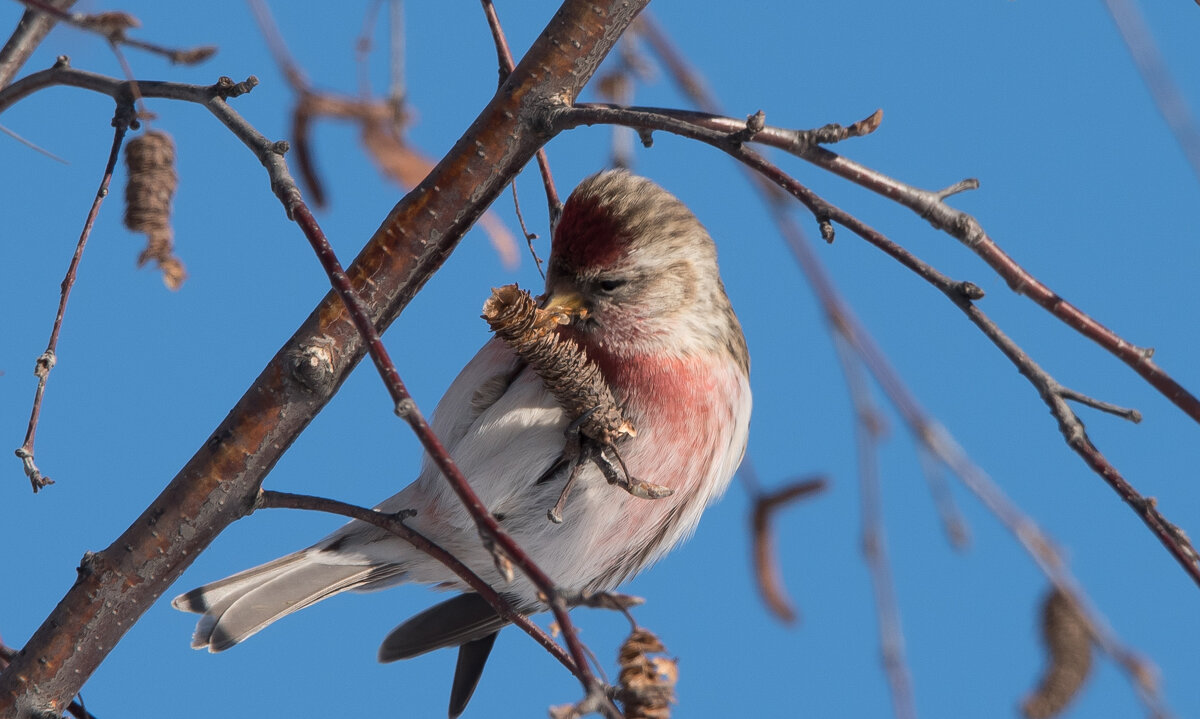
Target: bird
point(653, 314)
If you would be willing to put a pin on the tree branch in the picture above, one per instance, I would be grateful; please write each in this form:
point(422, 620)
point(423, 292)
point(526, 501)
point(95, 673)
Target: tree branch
point(121, 122)
point(29, 33)
point(962, 294)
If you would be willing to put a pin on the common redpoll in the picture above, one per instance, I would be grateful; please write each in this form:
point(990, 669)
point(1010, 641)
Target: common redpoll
point(659, 325)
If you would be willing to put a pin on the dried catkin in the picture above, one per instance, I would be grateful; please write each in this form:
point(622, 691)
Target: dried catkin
point(646, 685)
point(150, 160)
point(574, 380)
point(1069, 657)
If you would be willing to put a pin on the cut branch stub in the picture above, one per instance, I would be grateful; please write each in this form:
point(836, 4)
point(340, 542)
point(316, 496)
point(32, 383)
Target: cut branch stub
point(574, 380)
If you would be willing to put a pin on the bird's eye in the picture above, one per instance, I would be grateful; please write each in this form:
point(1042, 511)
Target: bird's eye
point(611, 285)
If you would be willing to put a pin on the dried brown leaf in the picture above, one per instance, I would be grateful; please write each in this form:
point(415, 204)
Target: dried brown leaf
point(193, 56)
point(646, 685)
point(111, 23)
point(766, 563)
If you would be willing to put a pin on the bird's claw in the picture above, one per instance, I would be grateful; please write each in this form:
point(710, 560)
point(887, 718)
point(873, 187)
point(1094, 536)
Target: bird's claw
point(620, 476)
point(579, 449)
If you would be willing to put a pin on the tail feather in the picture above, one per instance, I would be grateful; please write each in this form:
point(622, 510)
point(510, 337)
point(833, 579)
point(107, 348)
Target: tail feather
point(454, 622)
point(239, 606)
point(471, 658)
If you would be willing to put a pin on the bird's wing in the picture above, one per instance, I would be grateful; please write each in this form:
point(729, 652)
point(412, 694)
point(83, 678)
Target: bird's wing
point(502, 427)
point(482, 382)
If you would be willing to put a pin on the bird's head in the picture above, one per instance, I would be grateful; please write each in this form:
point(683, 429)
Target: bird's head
point(638, 269)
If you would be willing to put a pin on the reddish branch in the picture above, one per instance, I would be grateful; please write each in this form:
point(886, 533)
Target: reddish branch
point(394, 523)
point(121, 123)
point(75, 708)
point(221, 482)
point(962, 294)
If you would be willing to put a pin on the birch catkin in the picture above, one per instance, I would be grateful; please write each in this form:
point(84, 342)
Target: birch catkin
point(574, 380)
point(150, 160)
point(1068, 642)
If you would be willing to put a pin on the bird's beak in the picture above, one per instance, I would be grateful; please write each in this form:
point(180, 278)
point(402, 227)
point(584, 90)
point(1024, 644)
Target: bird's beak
point(568, 304)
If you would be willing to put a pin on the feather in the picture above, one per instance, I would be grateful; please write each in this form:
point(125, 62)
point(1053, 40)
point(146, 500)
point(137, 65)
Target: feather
point(471, 658)
point(456, 621)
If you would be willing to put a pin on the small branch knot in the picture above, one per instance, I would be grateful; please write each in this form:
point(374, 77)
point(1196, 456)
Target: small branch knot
point(970, 290)
point(312, 365)
point(44, 364)
point(36, 479)
point(826, 227)
point(405, 408)
point(754, 125)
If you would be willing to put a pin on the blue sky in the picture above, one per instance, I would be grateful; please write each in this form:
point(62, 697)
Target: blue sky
point(1081, 182)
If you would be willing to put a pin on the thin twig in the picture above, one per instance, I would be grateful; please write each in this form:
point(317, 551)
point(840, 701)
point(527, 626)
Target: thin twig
point(121, 123)
point(113, 25)
point(867, 429)
point(504, 59)
point(362, 45)
point(127, 70)
point(32, 146)
point(397, 82)
point(529, 236)
point(31, 29)
point(1171, 103)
